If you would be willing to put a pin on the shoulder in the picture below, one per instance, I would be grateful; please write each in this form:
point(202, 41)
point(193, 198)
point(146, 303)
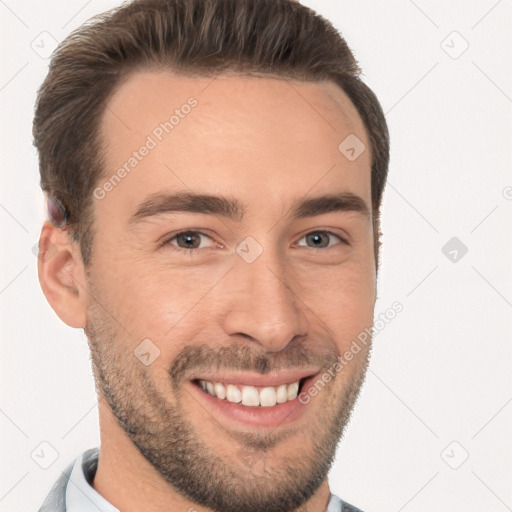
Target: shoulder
point(347, 507)
point(56, 499)
point(338, 505)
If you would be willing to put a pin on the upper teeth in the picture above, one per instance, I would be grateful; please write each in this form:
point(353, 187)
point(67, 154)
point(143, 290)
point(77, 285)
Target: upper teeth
point(250, 395)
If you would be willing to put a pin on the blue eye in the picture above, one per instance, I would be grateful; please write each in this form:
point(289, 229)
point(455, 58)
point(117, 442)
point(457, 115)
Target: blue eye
point(321, 239)
point(190, 240)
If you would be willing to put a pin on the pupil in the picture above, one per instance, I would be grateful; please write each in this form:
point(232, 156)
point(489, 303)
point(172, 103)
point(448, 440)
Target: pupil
point(317, 238)
point(189, 240)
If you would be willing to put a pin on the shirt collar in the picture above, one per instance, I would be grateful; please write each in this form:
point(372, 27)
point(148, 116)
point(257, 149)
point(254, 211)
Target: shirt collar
point(81, 496)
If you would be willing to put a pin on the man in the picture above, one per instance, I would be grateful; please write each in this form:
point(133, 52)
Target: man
point(214, 171)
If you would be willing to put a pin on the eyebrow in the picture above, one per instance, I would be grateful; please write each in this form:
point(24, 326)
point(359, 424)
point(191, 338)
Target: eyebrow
point(228, 207)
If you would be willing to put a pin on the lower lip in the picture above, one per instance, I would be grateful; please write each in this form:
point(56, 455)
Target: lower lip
point(257, 416)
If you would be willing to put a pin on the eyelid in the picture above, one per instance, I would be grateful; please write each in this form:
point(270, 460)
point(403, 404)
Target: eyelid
point(342, 239)
point(168, 240)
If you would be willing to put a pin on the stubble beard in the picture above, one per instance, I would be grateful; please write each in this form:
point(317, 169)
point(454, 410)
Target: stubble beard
point(174, 447)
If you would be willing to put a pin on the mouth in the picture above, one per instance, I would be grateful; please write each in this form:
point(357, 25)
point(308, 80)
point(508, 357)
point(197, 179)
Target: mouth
point(254, 400)
point(252, 396)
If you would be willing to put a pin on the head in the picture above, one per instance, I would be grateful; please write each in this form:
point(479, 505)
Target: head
point(216, 231)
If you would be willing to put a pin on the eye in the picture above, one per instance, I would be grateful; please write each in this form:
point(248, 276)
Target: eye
point(321, 239)
point(186, 241)
point(190, 241)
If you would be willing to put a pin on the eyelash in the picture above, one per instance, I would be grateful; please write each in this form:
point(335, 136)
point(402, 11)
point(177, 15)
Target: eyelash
point(168, 241)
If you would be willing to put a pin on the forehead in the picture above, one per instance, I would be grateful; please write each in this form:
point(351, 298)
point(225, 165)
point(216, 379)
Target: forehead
point(266, 139)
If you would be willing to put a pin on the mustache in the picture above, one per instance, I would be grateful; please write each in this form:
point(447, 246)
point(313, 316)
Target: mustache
point(238, 357)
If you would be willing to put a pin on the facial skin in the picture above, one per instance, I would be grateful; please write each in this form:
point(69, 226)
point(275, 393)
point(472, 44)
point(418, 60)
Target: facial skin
point(165, 443)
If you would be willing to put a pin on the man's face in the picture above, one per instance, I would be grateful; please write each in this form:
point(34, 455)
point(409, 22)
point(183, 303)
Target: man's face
point(265, 297)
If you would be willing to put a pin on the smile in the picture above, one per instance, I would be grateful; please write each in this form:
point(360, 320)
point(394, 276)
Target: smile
point(252, 396)
point(253, 400)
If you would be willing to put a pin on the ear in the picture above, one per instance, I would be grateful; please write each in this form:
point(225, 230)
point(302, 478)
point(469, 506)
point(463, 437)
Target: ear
point(62, 275)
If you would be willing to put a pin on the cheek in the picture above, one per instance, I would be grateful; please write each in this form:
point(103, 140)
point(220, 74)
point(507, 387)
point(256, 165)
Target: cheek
point(343, 300)
point(155, 300)
point(151, 298)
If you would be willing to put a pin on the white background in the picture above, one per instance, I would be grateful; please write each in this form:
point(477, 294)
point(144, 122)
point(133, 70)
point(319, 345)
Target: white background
point(441, 370)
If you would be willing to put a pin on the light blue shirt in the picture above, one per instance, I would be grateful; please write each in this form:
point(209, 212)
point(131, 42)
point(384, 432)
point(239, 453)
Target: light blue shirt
point(81, 496)
point(74, 489)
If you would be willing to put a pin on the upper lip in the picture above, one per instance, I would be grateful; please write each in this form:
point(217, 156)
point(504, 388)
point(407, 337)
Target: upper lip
point(257, 379)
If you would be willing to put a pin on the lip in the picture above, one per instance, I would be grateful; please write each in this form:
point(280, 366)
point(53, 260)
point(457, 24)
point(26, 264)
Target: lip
point(257, 379)
point(229, 414)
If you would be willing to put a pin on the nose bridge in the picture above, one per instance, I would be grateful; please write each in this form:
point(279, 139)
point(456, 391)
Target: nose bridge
point(263, 303)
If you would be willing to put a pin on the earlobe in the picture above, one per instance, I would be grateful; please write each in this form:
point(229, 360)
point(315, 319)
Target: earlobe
point(62, 275)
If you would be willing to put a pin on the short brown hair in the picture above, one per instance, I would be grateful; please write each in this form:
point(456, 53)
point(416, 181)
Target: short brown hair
point(280, 38)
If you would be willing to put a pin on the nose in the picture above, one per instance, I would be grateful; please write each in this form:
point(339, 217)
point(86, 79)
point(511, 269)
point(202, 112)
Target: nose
point(262, 305)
